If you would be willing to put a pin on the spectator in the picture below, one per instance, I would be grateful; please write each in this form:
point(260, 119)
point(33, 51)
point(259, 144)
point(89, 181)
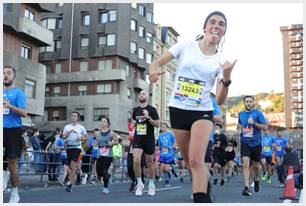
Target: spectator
point(87, 159)
point(50, 157)
point(290, 159)
point(37, 149)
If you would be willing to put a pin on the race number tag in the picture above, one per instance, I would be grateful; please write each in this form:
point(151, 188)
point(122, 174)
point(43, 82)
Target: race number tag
point(141, 129)
point(248, 131)
point(104, 151)
point(6, 111)
point(267, 148)
point(278, 148)
point(189, 91)
point(165, 150)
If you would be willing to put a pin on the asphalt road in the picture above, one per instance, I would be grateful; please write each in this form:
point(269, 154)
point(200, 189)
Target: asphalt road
point(177, 193)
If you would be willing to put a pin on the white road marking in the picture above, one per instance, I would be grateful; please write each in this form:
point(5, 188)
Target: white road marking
point(166, 188)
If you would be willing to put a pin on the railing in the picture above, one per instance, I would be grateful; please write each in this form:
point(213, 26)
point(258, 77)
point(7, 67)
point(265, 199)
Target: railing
point(42, 162)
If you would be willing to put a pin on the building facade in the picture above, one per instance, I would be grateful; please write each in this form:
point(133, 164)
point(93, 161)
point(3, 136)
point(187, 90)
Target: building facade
point(22, 37)
point(293, 73)
point(163, 89)
point(98, 62)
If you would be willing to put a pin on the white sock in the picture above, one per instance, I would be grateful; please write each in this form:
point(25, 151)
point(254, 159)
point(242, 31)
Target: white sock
point(14, 191)
point(139, 181)
point(151, 181)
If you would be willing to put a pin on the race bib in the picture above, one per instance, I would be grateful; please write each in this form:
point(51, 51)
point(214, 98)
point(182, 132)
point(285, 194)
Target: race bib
point(248, 132)
point(267, 148)
point(141, 129)
point(165, 150)
point(278, 148)
point(131, 149)
point(189, 91)
point(104, 151)
point(6, 111)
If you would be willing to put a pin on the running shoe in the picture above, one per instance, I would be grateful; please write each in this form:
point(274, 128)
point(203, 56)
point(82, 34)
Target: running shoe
point(151, 190)
point(14, 198)
point(246, 192)
point(139, 188)
point(69, 188)
point(222, 182)
point(256, 185)
point(105, 190)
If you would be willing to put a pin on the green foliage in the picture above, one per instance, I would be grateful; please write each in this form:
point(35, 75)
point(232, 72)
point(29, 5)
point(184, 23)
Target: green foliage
point(235, 104)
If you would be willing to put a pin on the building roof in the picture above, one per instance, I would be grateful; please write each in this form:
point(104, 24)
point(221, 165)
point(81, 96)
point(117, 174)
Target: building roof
point(38, 7)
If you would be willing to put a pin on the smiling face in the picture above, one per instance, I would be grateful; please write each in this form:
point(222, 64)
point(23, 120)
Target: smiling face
point(215, 29)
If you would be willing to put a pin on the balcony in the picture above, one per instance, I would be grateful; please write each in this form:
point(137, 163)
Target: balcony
point(296, 51)
point(97, 75)
point(296, 75)
point(35, 31)
point(297, 86)
point(296, 38)
point(296, 44)
point(297, 106)
point(296, 56)
point(296, 63)
point(296, 68)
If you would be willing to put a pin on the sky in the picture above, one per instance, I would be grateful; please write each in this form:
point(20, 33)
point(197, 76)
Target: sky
point(253, 37)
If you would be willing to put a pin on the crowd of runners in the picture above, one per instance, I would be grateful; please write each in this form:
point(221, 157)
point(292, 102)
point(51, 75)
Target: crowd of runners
point(195, 143)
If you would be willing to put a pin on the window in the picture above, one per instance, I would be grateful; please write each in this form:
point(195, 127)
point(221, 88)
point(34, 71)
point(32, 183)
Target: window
point(105, 64)
point(7, 7)
point(134, 5)
point(84, 42)
point(83, 66)
point(111, 40)
point(101, 41)
point(49, 23)
point(148, 58)
point(127, 70)
point(86, 19)
point(133, 47)
point(103, 17)
point(141, 53)
point(149, 17)
point(133, 24)
point(100, 112)
point(45, 117)
point(168, 94)
point(56, 91)
point(50, 48)
point(158, 50)
point(47, 91)
point(168, 76)
point(149, 37)
point(81, 111)
point(59, 23)
point(168, 39)
point(26, 51)
point(135, 73)
point(141, 10)
point(48, 68)
point(58, 68)
point(104, 88)
point(82, 90)
point(55, 115)
point(141, 31)
point(29, 88)
point(29, 14)
point(129, 93)
point(112, 15)
point(58, 44)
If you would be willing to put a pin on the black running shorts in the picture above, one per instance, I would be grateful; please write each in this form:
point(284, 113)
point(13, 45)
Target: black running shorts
point(230, 156)
point(12, 142)
point(183, 119)
point(73, 154)
point(144, 143)
point(254, 153)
